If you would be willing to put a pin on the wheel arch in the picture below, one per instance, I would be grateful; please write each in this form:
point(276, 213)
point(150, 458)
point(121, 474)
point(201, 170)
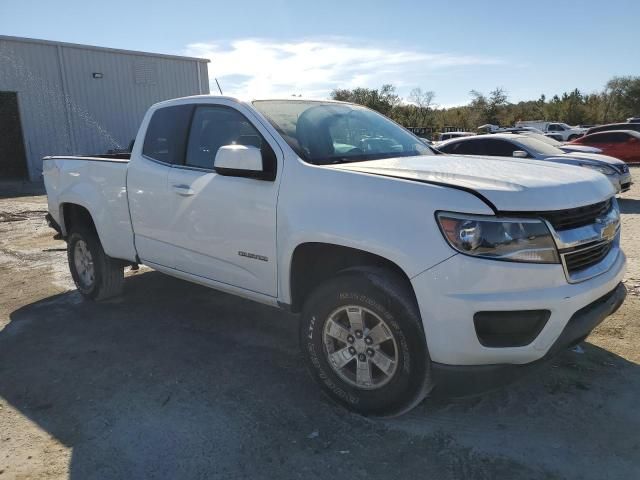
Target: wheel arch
point(314, 262)
point(74, 214)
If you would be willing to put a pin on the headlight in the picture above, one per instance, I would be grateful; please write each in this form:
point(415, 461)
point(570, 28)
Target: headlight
point(600, 168)
point(514, 240)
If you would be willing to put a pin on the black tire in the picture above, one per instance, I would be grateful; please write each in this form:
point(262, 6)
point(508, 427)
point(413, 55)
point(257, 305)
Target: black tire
point(108, 278)
point(386, 295)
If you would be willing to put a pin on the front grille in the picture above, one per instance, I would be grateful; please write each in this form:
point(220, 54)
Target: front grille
point(576, 217)
point(586, 257)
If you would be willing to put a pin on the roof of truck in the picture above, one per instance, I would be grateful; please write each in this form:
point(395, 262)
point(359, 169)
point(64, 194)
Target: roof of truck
point(245, 99)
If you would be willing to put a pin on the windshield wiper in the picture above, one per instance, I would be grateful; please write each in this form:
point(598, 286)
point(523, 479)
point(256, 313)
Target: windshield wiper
point(362, 158)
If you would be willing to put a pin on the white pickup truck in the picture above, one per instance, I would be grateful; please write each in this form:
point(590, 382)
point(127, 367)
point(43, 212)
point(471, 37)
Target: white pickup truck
point(557, 130)
point(412, 270)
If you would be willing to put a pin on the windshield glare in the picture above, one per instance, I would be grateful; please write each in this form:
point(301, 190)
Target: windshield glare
point(324, 132)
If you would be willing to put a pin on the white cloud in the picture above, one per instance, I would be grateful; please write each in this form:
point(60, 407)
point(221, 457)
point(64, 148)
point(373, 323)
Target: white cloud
point(266, 68)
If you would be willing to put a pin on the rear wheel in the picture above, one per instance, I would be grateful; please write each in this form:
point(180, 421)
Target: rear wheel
point(363, 341)
point(573, 137)
point(96, 275)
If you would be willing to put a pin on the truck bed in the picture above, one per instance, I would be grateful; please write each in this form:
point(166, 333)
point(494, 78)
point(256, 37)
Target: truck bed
point(98, 184)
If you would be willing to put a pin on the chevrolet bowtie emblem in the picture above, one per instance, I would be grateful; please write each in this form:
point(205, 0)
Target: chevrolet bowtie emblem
point(608, 231)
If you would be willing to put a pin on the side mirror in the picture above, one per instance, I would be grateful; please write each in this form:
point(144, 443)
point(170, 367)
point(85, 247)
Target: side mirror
point(239, 161)
point(520, 154)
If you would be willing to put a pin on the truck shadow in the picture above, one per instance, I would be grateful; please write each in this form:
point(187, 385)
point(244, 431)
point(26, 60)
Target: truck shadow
point(179, 381)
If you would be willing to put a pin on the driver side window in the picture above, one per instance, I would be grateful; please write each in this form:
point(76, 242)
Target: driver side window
point(215, 126)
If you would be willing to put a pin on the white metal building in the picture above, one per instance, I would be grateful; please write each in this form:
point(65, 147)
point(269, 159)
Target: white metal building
point(62, 98)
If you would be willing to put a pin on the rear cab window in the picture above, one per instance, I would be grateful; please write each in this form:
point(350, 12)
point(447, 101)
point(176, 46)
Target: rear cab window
point(166, 136)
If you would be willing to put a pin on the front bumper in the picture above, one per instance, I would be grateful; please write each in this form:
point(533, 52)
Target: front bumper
point(463, 380)
point(452, 292)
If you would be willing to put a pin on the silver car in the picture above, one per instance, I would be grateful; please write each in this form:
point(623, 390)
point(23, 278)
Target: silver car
point(526, 146)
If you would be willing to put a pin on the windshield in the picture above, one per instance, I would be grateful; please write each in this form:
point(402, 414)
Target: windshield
point(324, 133)
point(538, 146)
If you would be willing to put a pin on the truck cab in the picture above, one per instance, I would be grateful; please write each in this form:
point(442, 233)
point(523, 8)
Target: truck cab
point(409, 271)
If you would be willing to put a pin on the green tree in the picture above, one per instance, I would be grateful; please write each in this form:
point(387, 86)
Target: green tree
point(619, 100)
point(623, 97)
point(496, 105)
point(383, 100)
point(422, 106)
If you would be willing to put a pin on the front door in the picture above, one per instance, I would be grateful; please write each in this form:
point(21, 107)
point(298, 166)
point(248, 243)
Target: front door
point(223, 228)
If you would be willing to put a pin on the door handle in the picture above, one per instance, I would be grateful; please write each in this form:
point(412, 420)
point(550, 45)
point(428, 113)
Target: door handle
point(183, 190)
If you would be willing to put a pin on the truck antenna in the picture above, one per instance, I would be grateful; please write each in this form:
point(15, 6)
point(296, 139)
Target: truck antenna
point(218, 84)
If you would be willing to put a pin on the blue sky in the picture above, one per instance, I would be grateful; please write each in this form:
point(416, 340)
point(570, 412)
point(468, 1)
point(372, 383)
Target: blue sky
point(278, 47)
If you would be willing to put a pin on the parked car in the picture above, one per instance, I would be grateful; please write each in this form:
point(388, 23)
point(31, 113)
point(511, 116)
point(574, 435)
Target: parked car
point(622, 144)
point(535, 133)
point(565, 147)
point(526, 146)
point(614, 126)
point(557, 130)
point(410, 271)
point(633, 120)
point(449, 135)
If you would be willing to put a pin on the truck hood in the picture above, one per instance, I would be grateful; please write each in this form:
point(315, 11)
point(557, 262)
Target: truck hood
point(509, 184)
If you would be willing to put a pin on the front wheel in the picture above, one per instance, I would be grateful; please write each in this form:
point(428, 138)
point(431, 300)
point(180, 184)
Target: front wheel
point(96, 275)
point(362, 337)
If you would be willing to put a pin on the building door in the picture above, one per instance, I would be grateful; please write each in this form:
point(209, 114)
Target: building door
point(13, 161)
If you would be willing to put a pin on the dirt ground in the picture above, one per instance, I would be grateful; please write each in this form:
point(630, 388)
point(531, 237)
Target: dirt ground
point(177, 381)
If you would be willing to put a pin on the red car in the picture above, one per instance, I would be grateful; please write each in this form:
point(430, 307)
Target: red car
point(622, 144)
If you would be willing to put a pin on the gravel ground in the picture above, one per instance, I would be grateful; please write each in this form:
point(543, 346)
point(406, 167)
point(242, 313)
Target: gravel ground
point(177, 381)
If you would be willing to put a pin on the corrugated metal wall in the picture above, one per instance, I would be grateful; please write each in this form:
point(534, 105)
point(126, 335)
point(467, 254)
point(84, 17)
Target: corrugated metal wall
point(64, 110)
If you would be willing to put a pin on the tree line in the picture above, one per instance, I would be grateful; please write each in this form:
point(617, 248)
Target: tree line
point(619, 99)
